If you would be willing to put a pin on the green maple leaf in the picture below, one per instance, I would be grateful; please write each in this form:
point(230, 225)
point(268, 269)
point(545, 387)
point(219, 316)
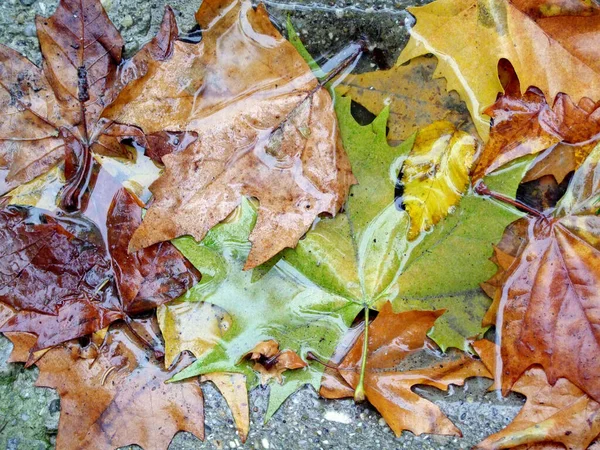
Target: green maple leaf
point(441, 270)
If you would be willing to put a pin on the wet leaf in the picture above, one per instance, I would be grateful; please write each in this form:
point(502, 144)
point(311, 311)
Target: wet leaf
point(554, 416)
point(113, 393)
point(311, 294)
point(435, 174)
point(55, 112)
point(470, 37)
point(265, 129)
point(227, 313)
point(68, 276)
point(547, 288)
point(271, 363)
point(392, 339)
point(525, 124)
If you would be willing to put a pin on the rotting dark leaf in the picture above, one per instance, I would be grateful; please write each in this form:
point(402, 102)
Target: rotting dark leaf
point(69, 275)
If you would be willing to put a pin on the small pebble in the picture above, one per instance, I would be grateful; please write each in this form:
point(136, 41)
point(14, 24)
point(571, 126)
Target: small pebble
point(127, 21)
point(30, 30)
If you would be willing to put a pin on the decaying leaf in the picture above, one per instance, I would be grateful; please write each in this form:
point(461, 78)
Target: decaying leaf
point(265, 127)
point(470, 37)
point(392, 338)
point(234, 390)
point(524, 124)
point(271, 363)
point(553, 414)
point(113, 393)
point(435, 174)
point(68, 276)
point(55, 112)
point(548, 286)
point(396, 88)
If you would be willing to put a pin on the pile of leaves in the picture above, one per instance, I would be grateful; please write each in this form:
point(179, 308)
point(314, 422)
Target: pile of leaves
point(213, 212)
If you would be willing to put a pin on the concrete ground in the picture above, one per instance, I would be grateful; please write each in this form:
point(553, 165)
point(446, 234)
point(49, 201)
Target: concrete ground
point(29, 415)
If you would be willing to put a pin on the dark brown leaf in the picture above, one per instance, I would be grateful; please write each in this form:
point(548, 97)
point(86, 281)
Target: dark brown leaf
point(68, 276)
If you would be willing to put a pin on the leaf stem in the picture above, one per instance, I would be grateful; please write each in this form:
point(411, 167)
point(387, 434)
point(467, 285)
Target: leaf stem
point(482, 189)
point(75, 189)
point(359, 392)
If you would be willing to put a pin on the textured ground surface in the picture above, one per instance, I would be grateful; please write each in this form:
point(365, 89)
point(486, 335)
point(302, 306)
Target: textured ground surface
point(29, 415)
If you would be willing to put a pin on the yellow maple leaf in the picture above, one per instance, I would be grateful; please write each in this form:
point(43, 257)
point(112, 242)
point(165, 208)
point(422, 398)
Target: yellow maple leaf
point(469, 37)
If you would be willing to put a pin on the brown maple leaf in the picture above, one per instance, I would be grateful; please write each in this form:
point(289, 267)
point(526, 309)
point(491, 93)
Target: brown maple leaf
point(271, 363)
point(547, 290)
point(524, 124)
point(234, 389)
point(554, 417)
point(69, 275)
point(55, 112)
point(266, 129)
point(393, 338)
point(113, 393)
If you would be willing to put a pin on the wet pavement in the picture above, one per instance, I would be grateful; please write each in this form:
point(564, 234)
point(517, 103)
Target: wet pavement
point(29, 415)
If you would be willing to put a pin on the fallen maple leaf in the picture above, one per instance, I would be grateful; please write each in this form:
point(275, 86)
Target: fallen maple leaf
point(392, 338)
point(470, 37)
point(70, 276)
point(55, 112)
point(554, 416)
point(435, 174)
point(547, 290)
point(266, 129)
point(524, 124)
point(113, 393)
point(385, 269)
point(271, 363)
point(235, 311)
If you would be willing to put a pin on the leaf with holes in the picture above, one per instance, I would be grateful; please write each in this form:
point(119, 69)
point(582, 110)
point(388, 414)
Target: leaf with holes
point(470, 37)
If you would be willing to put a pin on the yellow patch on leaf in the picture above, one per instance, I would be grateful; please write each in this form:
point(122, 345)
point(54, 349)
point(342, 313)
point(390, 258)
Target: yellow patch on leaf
point(436, 174)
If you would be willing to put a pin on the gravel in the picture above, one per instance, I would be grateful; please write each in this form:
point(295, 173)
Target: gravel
point(29, 415)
